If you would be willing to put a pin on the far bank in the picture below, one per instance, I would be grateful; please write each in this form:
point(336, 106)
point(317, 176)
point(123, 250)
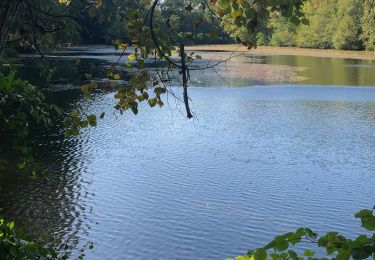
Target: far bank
point(262, 50)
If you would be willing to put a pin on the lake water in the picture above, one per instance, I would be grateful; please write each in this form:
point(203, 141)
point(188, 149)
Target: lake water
point(254, 162)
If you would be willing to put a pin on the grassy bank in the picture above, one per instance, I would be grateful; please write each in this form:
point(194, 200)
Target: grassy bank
point(263, 50)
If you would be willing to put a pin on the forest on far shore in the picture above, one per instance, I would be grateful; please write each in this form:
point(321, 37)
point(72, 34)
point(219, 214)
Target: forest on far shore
point(332, 24)
point(328, 24)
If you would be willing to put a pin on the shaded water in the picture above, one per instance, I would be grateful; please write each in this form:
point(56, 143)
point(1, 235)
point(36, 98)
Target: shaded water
point(255, 162)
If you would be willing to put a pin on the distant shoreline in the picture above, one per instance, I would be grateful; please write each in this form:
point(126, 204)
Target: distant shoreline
point(265, 50)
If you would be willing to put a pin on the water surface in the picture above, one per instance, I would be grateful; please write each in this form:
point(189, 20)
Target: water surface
point(253, 163)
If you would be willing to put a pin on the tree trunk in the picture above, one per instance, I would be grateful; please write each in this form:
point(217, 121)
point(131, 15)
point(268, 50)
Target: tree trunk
point(185, 81)
point(8, 10)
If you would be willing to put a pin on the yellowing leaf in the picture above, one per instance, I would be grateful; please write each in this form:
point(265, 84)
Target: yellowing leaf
point(116, 76)
point(74, 113)
point(212, 2)
point(132, 56)
point(122, 46)
point(64, 2)
point(98, 3)
point(236, 13)
point(220, 11)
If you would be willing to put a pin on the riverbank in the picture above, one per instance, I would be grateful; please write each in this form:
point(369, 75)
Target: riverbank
point(262, 50)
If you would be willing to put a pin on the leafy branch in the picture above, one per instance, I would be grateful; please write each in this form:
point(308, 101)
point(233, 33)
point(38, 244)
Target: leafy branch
point(335, 245)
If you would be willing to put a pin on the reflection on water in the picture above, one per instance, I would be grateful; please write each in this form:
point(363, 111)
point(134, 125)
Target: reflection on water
point(52, 207)
point(243, 70)
point(60, 74)
point(254, 162)
point(330, 71)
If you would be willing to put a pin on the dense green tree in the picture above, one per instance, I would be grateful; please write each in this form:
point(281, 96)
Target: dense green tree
point(283, 31)
point(348, 30)
point(368, 25)
point(340, 24)
point(322, 24)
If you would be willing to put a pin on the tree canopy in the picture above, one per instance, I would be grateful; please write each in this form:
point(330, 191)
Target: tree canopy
point(339, 24)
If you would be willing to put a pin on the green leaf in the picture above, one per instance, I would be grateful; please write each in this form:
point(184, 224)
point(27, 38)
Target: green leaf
point(11, 225)
point(295, 20)
point(160, 90)
point(308, 253)
point(135, 110)
point(92, 120)
point(367, 219)
point(293, 255)
point(369, 225)
point(305, 21)
point(152, 102)
point(145, 95)
point(260, 254)
point(84, 124)
point(361, 253)
point(160, 103)
point(364, 213)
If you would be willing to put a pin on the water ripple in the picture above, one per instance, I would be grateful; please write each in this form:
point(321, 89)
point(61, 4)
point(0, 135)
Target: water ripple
point(255, 163)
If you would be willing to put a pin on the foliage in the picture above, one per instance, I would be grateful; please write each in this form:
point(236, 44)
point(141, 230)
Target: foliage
point(192, 23)
point(348, 30)
point(42, 24)
point(368, 25)
point(322, 25)
point(284, 31)
point(251, 17)
point(22, 107)
point(340, 24)
point(335, 245)
point(14, 245)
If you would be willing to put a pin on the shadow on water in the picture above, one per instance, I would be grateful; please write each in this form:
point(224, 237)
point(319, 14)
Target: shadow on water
point(51, 208)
